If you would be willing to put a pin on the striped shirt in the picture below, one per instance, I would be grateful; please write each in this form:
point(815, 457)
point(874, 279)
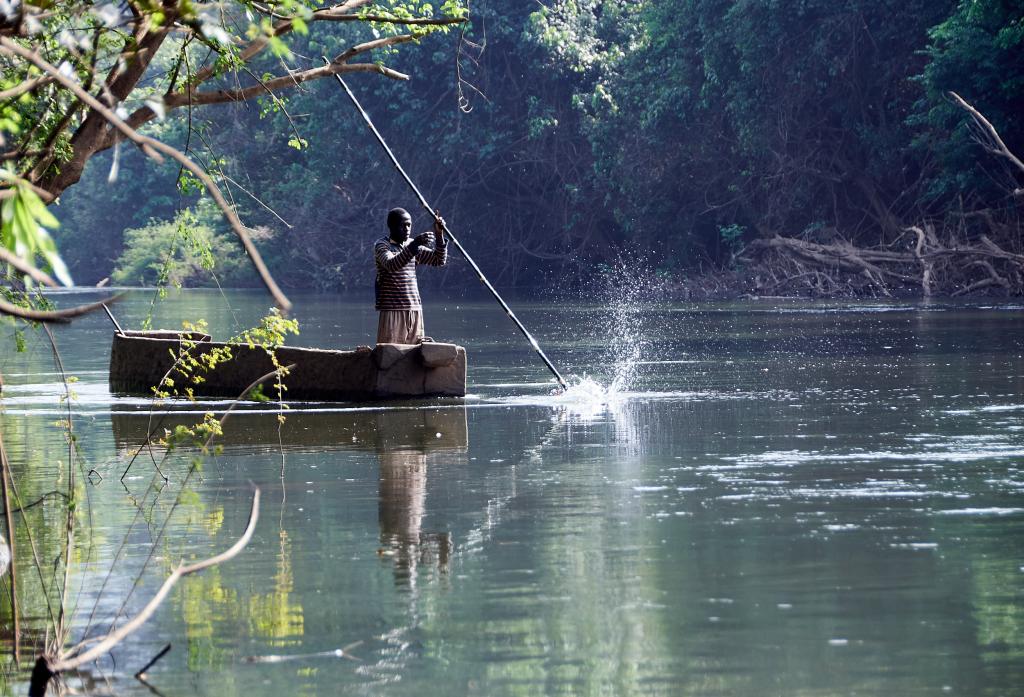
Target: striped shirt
point(396, 273)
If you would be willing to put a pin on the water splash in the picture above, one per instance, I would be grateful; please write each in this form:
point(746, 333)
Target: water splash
point(627, 288)
point(586, 399)
point(586, 390)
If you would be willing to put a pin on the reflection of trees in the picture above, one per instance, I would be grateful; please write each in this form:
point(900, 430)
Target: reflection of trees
point(209, 607)
point(37, 450)
point(995, 597)
point(562, 603)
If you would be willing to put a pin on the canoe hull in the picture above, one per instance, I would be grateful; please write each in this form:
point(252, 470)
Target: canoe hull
point(139, 361)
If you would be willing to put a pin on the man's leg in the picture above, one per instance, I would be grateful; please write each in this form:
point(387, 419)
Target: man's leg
point(387, 328)
point(399, 327)
point(415, 326)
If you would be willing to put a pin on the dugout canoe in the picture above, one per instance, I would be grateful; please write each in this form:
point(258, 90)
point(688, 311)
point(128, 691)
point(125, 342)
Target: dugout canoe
point(139, 361)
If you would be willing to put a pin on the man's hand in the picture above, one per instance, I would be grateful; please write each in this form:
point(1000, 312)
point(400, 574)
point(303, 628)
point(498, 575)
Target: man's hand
point(439, 229)
point(419, 241)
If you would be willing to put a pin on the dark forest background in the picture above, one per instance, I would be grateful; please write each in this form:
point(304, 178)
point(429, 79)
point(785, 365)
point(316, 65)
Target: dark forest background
point(558, 140)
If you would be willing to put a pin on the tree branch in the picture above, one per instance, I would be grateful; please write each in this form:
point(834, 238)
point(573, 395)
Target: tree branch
point(26, 268)
point(134, 59)
point(376, 43)
point(282, 81)
point(995, 145)
point(42, 193)
point(24, 87)
point(384, 19)
point(152, 147)
point(118, 635)
point(282, 27)
point(60, 316)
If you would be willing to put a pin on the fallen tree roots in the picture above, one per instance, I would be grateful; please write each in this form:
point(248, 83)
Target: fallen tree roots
point(917, 263)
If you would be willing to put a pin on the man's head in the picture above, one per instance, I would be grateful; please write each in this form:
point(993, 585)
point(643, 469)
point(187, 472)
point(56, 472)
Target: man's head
point(399, 224)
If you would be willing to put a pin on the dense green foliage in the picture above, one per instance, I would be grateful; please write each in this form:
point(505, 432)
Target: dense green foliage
point(178, 253)
point(558, 137)
point(79, 78)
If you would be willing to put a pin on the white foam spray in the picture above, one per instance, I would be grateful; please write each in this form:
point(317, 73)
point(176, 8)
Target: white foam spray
point(625, 289)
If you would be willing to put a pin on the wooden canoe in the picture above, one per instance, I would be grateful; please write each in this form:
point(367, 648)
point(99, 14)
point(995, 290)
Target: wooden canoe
point(140, 360)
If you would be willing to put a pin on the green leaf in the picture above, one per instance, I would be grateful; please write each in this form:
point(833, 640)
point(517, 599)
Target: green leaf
point(38, 209)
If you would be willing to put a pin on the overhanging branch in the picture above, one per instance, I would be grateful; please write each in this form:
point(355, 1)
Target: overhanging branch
point(280, 82)
point(153, 147)
point(59, 316)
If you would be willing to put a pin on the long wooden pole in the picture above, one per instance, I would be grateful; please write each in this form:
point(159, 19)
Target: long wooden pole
point(479, 273)
point(5, 472)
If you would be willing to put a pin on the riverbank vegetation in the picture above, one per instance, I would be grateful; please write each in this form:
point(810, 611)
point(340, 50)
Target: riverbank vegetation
point(726, 147)
point(732, 147)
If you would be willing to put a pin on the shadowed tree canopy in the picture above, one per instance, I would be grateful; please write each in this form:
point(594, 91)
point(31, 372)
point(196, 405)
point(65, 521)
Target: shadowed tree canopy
point(562, 136)
point(80, 78)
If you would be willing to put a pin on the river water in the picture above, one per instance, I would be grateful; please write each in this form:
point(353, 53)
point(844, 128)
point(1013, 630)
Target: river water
point(764, 498)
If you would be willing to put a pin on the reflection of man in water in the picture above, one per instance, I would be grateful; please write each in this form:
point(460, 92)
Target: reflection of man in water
point(403, 492)
point(398, 296)
point(406, 440)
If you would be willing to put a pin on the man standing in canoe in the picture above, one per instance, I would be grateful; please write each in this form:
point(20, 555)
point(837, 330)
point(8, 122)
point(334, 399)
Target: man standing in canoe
point(398, 296)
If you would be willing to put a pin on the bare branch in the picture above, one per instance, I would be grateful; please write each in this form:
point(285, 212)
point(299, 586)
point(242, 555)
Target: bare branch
point(995, 143)
point(283, 81)
point(59, 316)
point(129, 627)
point(384, 19)
point(345, 7)
point(152, 147)
point(376, 43)
point(24, 87)
point(26, 268)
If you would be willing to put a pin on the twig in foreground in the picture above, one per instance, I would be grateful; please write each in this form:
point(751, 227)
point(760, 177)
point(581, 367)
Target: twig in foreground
point(142, 671)
point(60, 316)
point(45, 669)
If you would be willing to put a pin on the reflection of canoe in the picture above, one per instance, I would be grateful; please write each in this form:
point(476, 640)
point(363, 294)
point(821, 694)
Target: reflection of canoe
point(422, 429)
point(140, 360)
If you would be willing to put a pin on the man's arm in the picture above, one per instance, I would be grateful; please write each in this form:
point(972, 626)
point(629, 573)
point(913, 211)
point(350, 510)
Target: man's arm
point(437, 256)
point(389, 260)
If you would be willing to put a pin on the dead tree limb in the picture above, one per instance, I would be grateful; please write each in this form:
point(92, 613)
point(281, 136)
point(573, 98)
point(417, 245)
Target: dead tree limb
point(990, 138)
point(46, 668)
point(928, 264)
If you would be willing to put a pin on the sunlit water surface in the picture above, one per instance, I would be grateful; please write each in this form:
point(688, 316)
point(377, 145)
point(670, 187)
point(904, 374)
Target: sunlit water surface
point(745, 499)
